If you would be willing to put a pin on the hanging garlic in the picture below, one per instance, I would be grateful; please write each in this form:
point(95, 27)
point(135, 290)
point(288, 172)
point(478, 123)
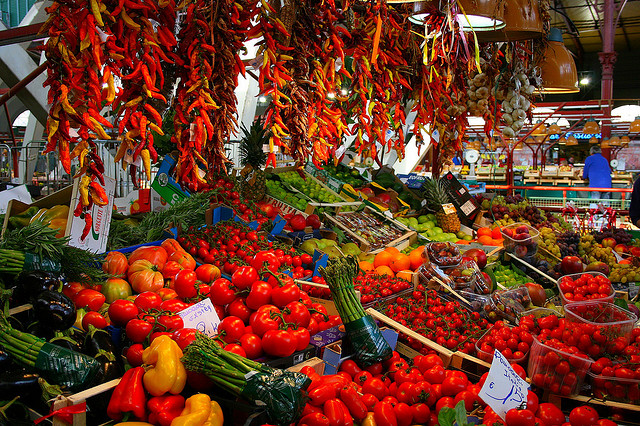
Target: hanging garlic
point(519, 114)
point(508, 132)
point(507, 118)
point(482, 93)
point(517, 125)
point(506, 106)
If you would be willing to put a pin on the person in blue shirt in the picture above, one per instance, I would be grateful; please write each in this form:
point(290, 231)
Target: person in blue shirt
point(596, 169)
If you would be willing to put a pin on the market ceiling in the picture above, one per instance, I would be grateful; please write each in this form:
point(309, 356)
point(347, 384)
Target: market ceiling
point(582, 28)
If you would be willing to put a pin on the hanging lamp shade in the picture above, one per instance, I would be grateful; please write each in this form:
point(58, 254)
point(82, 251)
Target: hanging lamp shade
point(624, 141)
point(562, 141)
point(475, 15)
point(593, 140)
point(614, 141)
point(591, 128)
point(539, 129)
point(572, 141)
point(559, 74)
point(605, 143)
point(554, 129)
point(522, 22)
point(539, 139)
point(634, 127)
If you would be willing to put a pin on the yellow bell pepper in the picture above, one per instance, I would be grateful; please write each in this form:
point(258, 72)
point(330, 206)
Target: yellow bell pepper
point(38, 215)
point(60, 225)
point(369, 420)
point(167, 373)
point(199, 410)
point(56, 212)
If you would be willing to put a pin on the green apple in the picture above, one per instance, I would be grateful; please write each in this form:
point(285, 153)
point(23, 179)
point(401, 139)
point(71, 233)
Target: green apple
point(423, 218)
point(437, 230)
point(350, 249)
point(430, 224)
point(366, 257)
point(309, 246)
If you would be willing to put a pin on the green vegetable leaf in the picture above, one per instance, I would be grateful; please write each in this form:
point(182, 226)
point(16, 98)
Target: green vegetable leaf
point(618, 301)
point(446, 416)
point(461, 414)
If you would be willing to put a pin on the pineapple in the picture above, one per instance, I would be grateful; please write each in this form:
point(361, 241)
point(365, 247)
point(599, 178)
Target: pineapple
point(436, 196)
point(252, 181)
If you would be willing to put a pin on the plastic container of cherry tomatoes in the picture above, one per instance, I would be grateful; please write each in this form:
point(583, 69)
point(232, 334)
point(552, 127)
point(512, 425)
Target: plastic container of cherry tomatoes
point(616, 388)
point(598, 328)
point(488, 356)
point(443, 254)
point(575, 277)
point(556, 370)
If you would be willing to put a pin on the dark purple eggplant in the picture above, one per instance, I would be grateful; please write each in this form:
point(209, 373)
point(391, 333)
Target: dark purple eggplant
point(19, 382)
point(67, 342)
point(54, 310)
point(29, 285)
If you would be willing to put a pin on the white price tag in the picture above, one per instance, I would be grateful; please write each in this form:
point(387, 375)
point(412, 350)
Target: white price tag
point(467, 207)
point(202, 316)
point(503, 389)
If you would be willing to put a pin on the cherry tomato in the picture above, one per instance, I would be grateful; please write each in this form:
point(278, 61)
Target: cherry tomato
point(134, 355)
point(137, 330)
point(147, 300)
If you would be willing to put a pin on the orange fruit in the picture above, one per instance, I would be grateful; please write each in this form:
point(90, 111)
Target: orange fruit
point(392, 250)
point(484, 232)
point(384, 270)
point(496, 234)
point(383, 258)
point(400, 262)
point(464, 242)
point(485, 240)
point(417, 257)
point(405, 275)
point(366, 266)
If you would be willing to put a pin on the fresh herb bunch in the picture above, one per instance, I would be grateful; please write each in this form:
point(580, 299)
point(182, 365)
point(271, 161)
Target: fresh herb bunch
point(185, 213)
point(37, 238)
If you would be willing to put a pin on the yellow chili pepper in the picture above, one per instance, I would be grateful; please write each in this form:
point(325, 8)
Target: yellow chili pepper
point(167, 373)
point(197, 411)
point(146, 161)
point(83, 188)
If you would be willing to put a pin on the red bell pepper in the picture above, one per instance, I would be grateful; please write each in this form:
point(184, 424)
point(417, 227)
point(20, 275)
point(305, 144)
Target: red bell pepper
point(128, 396)
point(163, 409)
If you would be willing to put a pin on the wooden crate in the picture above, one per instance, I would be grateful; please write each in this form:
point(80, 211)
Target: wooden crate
point(80, 419)
point(316, 363)
point(445, 354)
point(402, 242)
point(558, 401)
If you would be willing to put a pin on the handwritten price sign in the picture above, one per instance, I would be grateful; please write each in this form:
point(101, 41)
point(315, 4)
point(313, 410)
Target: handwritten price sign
point(503, 389)
point(201, 316)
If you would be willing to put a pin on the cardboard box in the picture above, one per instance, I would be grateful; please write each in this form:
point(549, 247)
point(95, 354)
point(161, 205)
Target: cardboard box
point(138, 201)
point(158, 203)
point(165, 184)
point(327, 337)
point(294, 359)
point(460, 197)
point(96, 241)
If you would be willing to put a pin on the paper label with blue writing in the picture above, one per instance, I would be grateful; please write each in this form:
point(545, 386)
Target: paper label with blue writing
point(503, 389)
point(202, 316)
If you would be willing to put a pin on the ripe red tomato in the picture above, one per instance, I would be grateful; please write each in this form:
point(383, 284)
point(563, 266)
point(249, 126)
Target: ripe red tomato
point(184, 336)
point(185, 284)
point(134, 355)
point(173, 305)
point(137, 330)
point(90, 299)
point(171, 268)
point(122, 311)
point(207, 273)
point(244, 277)
point(231, 329)
point(375, 387)
point(252, 345)
point(95, 319)
point(453, 385)
point(445, 401)
point(583, 416)
point(279, 343)
point(550, 414)
point(517, 417)
point(238, 308)
point(222, 292)
point(147, 300)
point(169, 323)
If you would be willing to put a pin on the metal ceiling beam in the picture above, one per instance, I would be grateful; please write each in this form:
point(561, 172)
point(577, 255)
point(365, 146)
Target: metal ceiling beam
point(596, 18)
point(571, 30)
point(624, 32)
point(21, 34)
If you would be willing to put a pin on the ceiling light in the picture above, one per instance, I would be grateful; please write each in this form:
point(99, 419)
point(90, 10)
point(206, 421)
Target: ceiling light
point(474, 15)
point(634, 127)
point(593, 140)
point(584, 81)
point(590, 127)
point(554, 129)
point(614, 141)
point(262, 99)
point(559, 74)
point(331, 95)
point(344, 92)
point(522, 22)
point(624, 141)
point(562, 141)
point(572, 141)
